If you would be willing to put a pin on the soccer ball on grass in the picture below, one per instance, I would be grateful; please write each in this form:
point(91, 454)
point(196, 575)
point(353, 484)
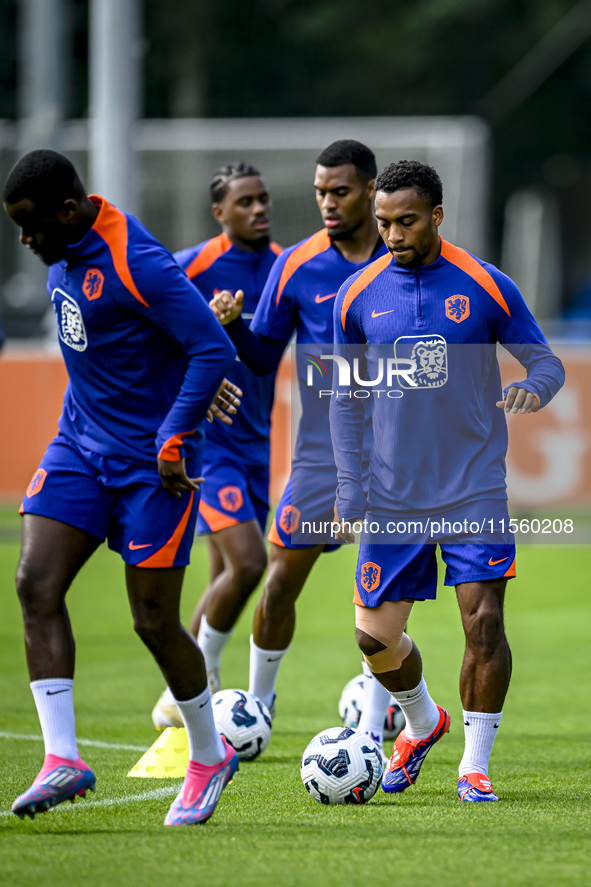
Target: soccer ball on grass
point(341, 766)
point(244, 720)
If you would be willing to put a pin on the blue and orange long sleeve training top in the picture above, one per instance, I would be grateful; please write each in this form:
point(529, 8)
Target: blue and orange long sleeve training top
point(217, 265)
point(144, 353)
point(299, 297)
point(439, 439)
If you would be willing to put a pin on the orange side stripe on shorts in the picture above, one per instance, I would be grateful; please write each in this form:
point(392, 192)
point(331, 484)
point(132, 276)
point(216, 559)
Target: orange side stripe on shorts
point(512, 571)
point(210, 253)
point(357, 598)
point(474, 269)
point(165, 556)
point(273, 535)
point(365, 278)
point(216, 520)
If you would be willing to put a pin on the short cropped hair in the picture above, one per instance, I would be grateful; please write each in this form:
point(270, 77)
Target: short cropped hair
point(412, 174)
point(222, 177)
point(45, 177)
point(350, 151)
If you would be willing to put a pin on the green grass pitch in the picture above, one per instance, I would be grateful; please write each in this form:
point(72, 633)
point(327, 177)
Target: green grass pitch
point(267, 830)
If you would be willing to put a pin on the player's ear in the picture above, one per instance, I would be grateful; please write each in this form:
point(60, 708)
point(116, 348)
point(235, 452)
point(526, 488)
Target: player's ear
point(218, 213)
point(371, 189)
point(437, 216)
point(68, 212)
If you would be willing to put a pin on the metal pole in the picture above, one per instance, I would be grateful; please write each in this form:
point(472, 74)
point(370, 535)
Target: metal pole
point(114, 55)
point(42, 58)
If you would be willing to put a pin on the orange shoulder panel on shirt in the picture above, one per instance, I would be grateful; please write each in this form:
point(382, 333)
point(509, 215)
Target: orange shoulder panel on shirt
point(210, 253)
point(468, 263)
point(315, 245)
point(111, 225)
point(164, 557)
point(276, 248)
point(365, 278)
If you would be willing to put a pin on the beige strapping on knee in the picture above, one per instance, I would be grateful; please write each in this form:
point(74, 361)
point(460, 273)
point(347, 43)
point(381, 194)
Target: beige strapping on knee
point(386, 624)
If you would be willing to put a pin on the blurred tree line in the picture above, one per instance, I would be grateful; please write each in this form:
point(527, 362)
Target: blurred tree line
point(344, 57)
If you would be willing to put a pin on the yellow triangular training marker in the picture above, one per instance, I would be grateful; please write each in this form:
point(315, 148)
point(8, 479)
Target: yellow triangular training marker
point(167, 758)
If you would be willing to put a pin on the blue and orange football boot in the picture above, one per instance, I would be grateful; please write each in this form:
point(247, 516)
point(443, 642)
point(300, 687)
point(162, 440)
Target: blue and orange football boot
point(60, 779)
point(408, 756)
point(476, 787)
point(202, 789)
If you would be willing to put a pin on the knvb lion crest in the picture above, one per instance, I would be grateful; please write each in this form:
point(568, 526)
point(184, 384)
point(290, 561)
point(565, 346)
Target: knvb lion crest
point(37, 482)
point(457, 308)
point(370, 575)
point(93, 284)
point(231, 498)
point(290, 519)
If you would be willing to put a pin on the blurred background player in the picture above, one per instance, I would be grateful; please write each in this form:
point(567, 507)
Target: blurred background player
point(438, 452)
point(299, 297)
point(145, 358)
point(234, 500)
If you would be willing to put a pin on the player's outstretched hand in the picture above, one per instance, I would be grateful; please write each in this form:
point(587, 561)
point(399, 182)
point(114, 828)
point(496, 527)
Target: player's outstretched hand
point(174, 477)
point(227, 307)
point(519, 400)
point(226, 403)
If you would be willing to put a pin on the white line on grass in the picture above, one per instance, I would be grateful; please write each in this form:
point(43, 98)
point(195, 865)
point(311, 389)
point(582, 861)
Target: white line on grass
point(163, 792)
point(93, 743)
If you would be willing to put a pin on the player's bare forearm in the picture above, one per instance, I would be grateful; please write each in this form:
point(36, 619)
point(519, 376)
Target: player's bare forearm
point(226, 403)
point(519, 400)
point(174, 478)
point(227, 307)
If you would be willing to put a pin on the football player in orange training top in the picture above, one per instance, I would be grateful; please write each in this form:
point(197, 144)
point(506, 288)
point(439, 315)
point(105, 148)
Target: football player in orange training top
point(234, 500)
point(299, 297)
point(145, 357)
point(437, 470)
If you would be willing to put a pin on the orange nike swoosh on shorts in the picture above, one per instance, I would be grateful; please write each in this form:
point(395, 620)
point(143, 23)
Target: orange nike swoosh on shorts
point(134, 547)
point(492, 563)
point(320, 298)
point(375, 313)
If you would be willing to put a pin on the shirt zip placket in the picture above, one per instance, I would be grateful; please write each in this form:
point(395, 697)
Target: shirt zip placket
point(420, 321)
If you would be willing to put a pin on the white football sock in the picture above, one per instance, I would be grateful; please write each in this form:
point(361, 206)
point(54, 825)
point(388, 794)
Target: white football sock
point(376, 700)
point(55, 706)
point(264, 668)
point(205, 743)
point(211, 643)
point(480, 732)
point(421, 713)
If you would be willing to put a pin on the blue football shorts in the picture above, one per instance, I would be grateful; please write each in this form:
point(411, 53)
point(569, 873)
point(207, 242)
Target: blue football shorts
point(231, 494)
point(306, 510)
point(393, 572)
point(121, 502)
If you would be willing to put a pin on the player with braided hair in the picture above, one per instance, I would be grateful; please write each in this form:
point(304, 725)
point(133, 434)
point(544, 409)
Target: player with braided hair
point(235, 496)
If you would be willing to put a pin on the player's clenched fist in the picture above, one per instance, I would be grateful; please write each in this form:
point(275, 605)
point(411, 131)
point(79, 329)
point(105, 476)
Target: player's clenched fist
point(227, 307)
point(519, 400)
point(226, 403)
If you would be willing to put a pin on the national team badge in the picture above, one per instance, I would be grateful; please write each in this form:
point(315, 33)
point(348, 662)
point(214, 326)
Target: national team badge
point(93, 284)
point(429, 354)
point(457, 308)
point(231, 498)
point(370, 576)
point(290, 519)
point(37, 482)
